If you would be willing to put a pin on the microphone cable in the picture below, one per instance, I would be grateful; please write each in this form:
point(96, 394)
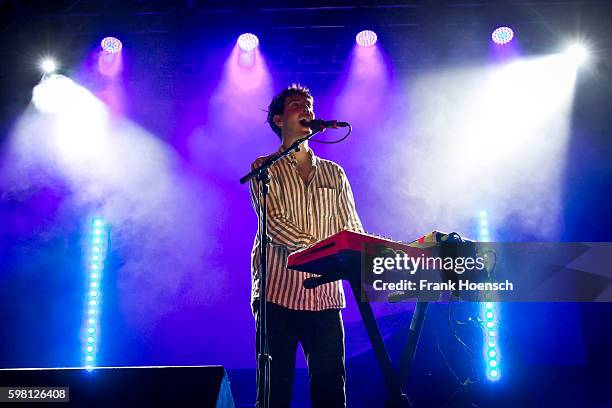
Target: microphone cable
point(335, 141)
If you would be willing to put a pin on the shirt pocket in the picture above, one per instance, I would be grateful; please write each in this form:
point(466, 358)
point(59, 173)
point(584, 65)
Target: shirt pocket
point(326, 211)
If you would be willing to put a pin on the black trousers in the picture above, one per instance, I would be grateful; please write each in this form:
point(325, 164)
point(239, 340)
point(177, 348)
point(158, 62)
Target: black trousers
point(321, 334)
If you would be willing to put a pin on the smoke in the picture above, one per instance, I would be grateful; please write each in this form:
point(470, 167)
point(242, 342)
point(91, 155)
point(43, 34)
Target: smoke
point(478, 139)
point(158, 210)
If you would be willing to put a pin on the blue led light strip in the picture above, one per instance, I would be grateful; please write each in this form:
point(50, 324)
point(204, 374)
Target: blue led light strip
point(491, 340)
point(98, 245)
point(489, 314)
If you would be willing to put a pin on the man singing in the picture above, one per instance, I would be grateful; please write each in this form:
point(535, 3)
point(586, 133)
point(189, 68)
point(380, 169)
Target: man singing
point(309, 199)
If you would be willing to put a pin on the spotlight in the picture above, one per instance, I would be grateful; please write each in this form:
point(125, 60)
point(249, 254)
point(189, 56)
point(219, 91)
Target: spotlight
point(577, 53)
point(48, 66)
point(366, 38)
point(248, 41)
point(502, 35)
point(111, 45)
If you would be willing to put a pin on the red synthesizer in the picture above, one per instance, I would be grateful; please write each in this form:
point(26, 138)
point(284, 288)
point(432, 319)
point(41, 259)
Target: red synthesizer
point(346, 248)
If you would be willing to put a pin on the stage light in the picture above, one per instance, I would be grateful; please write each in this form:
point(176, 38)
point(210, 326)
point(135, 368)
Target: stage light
point(577, 53)
point(110, 61)
point(483, 231)
point(248, 41)
point(502, 35)
point(100, 236)
point(58, 94)
point(491, 352)
point(366, 38)
point(53, 94)
point(493, 374)
point(48, 66)
point(111, 45)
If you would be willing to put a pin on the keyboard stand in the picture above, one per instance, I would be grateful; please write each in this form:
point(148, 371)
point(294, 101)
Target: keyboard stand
point(394, 385)
point(346, 265)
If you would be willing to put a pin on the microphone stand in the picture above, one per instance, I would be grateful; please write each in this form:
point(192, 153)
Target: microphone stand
point(262, 175)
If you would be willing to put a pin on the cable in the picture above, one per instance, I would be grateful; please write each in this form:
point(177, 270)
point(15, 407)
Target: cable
point(335, 141)
point(471, 378)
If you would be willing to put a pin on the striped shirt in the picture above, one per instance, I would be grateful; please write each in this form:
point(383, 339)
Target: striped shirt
point(297, 214)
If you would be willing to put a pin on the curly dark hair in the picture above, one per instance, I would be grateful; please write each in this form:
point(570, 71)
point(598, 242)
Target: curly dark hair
point(277, 106)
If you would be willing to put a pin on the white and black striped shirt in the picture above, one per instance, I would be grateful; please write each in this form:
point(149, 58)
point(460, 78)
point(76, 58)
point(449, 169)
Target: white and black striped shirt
point(297, 214)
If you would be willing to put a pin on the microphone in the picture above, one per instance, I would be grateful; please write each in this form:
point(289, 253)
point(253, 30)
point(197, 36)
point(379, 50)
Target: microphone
point(320, 124)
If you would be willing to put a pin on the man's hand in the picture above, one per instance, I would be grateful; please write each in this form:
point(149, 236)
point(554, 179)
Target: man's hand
point(312, 241)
